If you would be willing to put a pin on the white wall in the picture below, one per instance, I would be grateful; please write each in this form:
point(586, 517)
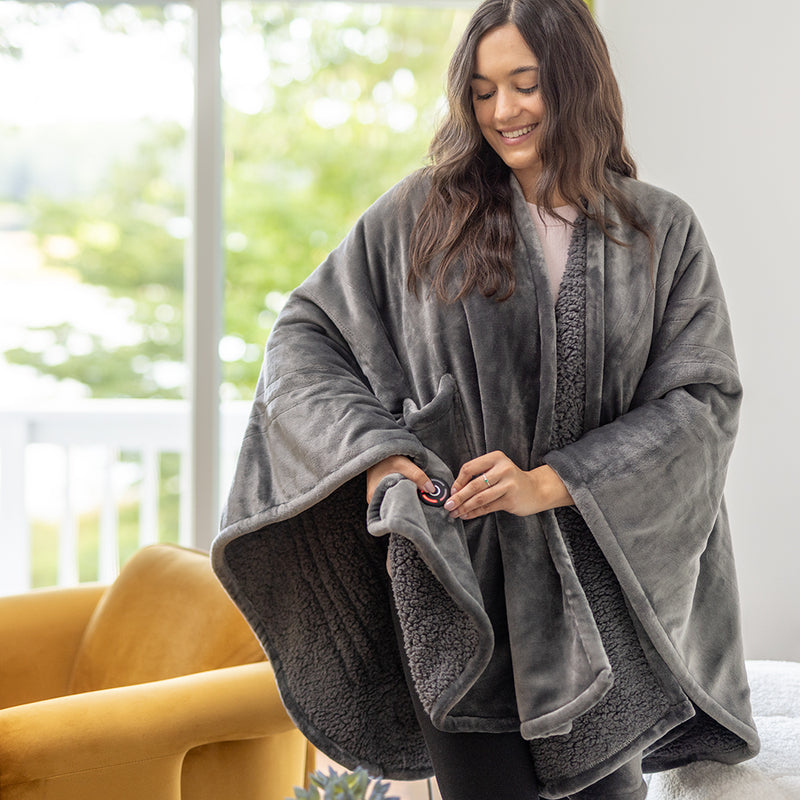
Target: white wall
point(713, 113)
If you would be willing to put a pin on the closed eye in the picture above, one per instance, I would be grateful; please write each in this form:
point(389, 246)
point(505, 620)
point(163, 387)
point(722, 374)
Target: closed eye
point(521, 90)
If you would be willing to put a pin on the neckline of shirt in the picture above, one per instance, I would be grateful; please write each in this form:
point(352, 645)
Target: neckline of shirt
point(570, 213)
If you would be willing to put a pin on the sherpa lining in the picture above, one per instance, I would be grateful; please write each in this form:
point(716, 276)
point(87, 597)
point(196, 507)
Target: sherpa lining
point(337, 571)
point(436, 633)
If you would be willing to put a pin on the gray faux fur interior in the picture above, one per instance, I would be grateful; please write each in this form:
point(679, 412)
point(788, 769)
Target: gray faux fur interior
point(597, 631)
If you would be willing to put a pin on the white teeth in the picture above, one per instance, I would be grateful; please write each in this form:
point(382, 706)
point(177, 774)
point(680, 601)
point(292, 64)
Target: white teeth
point(517, 134)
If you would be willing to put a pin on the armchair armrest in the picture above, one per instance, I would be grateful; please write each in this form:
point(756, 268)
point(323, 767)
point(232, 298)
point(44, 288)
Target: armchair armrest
point(130, 742)
point(40, 633)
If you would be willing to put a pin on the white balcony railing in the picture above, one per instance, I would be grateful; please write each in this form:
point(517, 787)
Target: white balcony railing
point(60, 463)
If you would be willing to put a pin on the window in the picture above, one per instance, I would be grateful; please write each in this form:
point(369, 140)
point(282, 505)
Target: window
point(95, 108)
point(117, 217)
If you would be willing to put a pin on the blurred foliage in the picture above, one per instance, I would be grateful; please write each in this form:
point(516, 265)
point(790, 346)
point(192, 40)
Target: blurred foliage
point(337, 103)
point(119, 239)
point(343, 786)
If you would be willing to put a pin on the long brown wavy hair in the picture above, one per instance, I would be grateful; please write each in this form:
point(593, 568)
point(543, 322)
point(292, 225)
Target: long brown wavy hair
point(465, 230)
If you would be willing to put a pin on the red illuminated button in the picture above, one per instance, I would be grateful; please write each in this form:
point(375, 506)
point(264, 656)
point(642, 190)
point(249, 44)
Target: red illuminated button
point(438, 497)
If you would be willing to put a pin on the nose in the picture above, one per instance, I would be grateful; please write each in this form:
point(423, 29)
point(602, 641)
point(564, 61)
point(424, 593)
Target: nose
point(507, 106)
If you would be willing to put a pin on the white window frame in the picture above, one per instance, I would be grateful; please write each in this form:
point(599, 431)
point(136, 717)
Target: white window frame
point(204, 276)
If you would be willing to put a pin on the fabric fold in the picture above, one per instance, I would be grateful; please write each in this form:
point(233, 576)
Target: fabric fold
point(449, 638)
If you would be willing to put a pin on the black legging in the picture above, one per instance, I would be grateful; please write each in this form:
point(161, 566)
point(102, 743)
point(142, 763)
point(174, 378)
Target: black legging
point(473, 766)
point(495, 766)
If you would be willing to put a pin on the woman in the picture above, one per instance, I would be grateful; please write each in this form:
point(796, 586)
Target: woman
point(527, 326)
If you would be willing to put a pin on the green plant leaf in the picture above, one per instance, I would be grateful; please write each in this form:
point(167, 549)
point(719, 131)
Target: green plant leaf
point(345, 786)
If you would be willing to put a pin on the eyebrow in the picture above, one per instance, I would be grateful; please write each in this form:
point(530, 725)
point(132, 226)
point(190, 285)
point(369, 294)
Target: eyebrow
point(476, 76)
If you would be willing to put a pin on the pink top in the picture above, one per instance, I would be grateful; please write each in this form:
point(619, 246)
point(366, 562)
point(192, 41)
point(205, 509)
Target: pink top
point(554, 235)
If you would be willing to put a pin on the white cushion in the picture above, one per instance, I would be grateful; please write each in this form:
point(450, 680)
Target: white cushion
point(772, 775)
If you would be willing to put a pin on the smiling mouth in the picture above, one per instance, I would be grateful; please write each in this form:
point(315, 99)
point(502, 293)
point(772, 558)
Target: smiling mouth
point(516, 134)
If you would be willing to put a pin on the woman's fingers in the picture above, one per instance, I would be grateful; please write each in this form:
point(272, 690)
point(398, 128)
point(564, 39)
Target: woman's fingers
point(480, 484)
point(476, 498)
point(482, 502)
point(397, 464)
point(476, 467)
point(495, 483)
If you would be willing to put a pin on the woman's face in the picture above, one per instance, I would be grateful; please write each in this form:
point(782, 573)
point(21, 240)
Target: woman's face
point(507, 102)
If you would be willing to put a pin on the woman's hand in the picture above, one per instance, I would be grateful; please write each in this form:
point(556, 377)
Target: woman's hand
point(493, 482)
point(405, 466)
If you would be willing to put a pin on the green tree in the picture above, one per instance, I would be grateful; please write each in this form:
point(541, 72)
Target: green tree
point(121, 242)
point(349, 101)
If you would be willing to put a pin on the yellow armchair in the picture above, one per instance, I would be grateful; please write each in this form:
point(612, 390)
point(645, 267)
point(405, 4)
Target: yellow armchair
point(151, 689)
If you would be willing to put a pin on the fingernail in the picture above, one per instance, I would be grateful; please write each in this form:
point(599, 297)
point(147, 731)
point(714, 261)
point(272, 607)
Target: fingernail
point(449, 505)
point(429, 488)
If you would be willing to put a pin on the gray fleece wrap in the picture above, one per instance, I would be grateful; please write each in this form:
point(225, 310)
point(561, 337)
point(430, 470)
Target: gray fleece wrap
point(557, 624)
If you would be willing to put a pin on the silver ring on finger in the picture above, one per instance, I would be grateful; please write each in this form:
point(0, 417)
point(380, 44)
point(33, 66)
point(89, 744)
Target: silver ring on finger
point(485, 479)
